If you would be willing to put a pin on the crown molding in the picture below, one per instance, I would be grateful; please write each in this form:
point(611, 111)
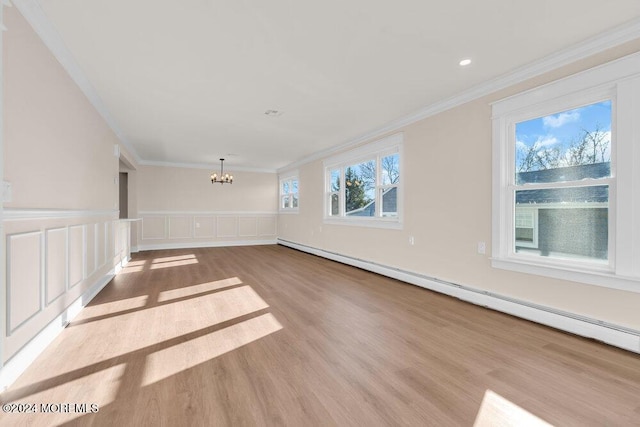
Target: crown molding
point(35, 16)
point(591, 46)
point(227, 166)
point(33, 13)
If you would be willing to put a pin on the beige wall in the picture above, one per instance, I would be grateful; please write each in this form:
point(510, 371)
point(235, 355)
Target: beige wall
point(58, 155)
point(447, 175)
point(58, 149)
point(182, 189)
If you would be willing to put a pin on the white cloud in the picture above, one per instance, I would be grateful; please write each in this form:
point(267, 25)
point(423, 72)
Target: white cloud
point(547, 141)
point(557, 120)
point(541, 143)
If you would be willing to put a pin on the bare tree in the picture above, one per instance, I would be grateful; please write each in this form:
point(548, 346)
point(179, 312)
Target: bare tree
point(589, 147)
point(390, 169)
point(536, 157)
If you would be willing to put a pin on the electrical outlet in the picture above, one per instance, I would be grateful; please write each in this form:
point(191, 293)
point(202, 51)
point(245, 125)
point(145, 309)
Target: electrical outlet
point(482, 248)
point(412, 240)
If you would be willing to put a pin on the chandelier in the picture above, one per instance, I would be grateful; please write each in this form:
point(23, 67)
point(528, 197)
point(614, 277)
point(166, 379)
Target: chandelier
point(224, 178)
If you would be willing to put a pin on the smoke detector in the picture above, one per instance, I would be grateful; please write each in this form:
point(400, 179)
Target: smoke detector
point(273, 113)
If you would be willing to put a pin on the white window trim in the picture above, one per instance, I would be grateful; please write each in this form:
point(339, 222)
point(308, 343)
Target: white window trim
point(289, 176)
point(618, 81)
point(389, 145)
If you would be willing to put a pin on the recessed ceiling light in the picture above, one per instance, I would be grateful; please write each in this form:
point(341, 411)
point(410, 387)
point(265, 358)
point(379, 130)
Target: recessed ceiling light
point(465, 62)
point(273, 113)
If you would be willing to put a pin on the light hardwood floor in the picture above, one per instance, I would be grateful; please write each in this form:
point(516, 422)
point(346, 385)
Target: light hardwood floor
point(267, 335)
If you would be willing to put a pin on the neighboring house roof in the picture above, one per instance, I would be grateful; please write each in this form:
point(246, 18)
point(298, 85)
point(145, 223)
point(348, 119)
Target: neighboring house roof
point(570, 173)
point(389, 203)
point(593, 194)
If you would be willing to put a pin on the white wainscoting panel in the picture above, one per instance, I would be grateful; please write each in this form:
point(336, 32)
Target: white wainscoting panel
point(180, 227)
point(168, 229)
point(101, 244)
point(154, 227)
point(227, 226)
point(110, 244)
point(24, 284)
point(90, 249)
point(204, 226)
point(76, 255)
point(56, 263)
point(247, 226)
point(267, 225)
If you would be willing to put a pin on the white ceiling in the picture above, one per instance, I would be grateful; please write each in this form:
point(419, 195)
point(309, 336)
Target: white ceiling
point(189, 81)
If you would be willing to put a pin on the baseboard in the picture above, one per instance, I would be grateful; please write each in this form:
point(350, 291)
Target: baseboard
point(158, 246)
point(27, 354)
point(615, 335)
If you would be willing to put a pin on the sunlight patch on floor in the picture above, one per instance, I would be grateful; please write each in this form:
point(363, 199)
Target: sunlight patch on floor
point(173, 261)
point(169, 264)
point(131, 269)
point(213, 309)
point(134, 267)
point(170, 361)
point(173, 258)
point(495, 410)
point(110, 307)
point(197, 289)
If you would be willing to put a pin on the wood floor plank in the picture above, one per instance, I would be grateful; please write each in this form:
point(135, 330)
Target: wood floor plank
point(267, 335)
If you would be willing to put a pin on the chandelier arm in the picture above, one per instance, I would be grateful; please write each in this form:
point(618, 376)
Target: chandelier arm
point(223, 179)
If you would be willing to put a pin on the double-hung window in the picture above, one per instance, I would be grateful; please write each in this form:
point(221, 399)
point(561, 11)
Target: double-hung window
point(289, 187)
point(363, 186)
point(564, 190)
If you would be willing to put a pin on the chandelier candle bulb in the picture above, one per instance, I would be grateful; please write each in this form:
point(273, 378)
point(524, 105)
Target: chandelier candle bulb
point(225, 178)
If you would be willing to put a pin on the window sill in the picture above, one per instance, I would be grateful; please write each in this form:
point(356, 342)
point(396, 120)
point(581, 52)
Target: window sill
point(288, 211)
point(394, 224)
point(597, 277)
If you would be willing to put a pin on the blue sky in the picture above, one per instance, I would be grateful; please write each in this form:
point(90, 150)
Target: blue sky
point(559, 130)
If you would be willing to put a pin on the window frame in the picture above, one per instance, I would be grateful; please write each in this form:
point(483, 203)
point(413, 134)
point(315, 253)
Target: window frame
point(373, 151)
point(619, 82)
point(290, 178)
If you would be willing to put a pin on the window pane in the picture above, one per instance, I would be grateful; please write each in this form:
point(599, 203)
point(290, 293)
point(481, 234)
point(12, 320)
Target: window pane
point(359, 185)
point(335, 204)
point(568, 146)
point(285, 187)
point(526, 227)
point(335, 181)
point(285, 202)
point(294, 200)
point(390, 169)
point(389, 198)
point(524, 235)
point(294, 186)
point(572, 223)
